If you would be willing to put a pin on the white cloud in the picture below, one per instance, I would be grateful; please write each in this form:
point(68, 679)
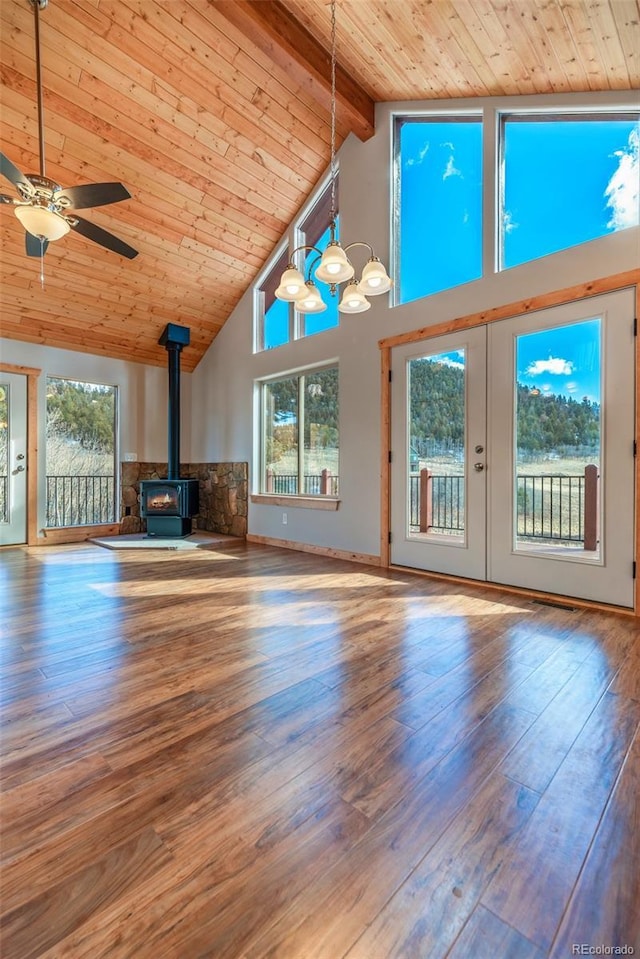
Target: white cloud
point(572, 387)
point(554, 365)
point(447, 361)
point(451, 169)
point(413, 161)
point(507, 222)
point(622, 190)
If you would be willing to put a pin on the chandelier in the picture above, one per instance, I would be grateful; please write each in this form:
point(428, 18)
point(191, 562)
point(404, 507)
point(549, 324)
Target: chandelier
point(333, 265)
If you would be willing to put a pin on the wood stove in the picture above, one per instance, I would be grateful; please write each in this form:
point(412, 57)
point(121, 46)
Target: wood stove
point(168, 504)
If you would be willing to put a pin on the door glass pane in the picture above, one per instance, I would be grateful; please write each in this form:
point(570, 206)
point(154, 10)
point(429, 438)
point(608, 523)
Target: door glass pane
point(4, 453)
point(558, 439)
point(436, 387)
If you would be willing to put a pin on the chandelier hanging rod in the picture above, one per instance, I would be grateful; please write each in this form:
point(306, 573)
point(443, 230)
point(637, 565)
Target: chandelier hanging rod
point(335, 267)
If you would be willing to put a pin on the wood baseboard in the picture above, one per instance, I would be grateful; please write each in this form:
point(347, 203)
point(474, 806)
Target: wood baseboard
point(75, 534)
point(366, 558)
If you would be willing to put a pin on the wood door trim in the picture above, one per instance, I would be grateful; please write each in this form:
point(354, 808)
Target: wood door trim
point(583, 291)
point(32, 374)
point(541, 302)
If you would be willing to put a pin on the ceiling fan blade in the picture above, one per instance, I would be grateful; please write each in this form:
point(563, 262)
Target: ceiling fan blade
point(11, 172)
point(93, 194)
point(34, 246)
point(98, 235)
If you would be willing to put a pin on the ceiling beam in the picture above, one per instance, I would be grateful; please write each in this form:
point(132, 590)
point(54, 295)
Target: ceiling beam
point(290, 45)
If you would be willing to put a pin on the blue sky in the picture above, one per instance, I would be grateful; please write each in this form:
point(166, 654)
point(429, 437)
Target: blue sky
point(563, 361)
point(567, 182)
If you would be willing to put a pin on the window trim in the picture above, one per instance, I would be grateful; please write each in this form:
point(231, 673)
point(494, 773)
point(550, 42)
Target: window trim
point(296, 501)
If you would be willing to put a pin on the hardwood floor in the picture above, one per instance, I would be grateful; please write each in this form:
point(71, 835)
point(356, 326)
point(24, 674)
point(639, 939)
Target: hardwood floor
point(249, 752)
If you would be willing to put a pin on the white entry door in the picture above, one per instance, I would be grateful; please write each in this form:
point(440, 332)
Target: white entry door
point(13, 459)
point(512, 451)
point(561, 503)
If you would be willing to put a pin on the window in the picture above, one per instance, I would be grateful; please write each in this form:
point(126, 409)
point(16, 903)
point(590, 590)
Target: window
point(437, 204)
point(276, 323)
point(80, 453)
point(314, 231)
point(300, 434)
point(274, 317)
point(565, 179)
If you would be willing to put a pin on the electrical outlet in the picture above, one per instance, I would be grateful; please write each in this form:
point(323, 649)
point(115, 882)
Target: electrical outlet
point(130, 457)
point(284, 519)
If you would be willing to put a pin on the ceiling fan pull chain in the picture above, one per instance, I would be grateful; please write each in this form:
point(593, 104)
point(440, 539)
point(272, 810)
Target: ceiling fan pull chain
point(42, 262)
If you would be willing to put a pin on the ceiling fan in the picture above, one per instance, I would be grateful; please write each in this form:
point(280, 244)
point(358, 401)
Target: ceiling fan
point(42, 206)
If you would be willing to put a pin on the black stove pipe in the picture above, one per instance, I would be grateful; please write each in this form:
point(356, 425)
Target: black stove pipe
point(173, 339)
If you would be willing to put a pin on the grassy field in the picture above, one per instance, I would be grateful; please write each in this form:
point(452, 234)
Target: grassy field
point(545, 466)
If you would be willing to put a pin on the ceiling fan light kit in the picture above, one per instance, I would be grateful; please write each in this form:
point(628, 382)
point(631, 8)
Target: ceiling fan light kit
point(42, 204)
point(334, 267)
point(41, 221)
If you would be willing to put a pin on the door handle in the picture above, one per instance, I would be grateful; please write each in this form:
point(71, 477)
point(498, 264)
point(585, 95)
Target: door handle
point(18, 469)
point(478, 467)
point(20, 456)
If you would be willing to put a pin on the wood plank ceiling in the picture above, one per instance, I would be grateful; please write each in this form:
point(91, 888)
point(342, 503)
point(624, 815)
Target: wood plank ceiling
point(214, 114)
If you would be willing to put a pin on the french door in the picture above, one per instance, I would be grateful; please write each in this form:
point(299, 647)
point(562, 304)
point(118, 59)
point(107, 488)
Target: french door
point(13, 459)
point(513, 451)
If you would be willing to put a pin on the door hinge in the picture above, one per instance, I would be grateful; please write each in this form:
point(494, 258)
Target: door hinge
point(633, 565)
point(635, 448)
point(635, 326)
point(390, 375)
point(389, 455)
point(389, 537)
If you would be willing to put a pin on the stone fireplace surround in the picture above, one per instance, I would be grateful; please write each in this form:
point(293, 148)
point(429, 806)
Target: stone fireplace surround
point(223, 491)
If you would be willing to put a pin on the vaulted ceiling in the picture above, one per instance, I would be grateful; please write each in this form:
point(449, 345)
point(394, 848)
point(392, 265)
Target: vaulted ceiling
point(215, 116)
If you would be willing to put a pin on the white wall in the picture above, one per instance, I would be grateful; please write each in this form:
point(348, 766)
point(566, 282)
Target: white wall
point(142, 395)
point(223, 382)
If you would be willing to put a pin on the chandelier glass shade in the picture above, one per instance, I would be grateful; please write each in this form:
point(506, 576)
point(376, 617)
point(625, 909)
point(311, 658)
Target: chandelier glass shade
point(42, 222)
point(310, 301)
point(353, 301)
point(334, 267)
point(334, 264)
point(292, 285)
point(375, 279)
